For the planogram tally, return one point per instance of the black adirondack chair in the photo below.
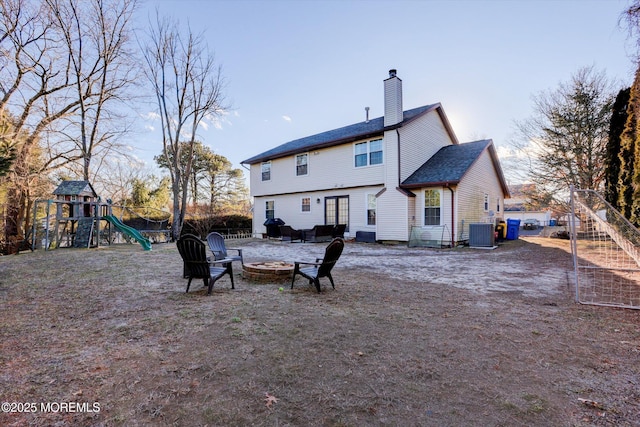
(196, 265)
(314, 271)
(219, 249)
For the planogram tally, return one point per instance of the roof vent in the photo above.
(366, 109)
(392, 72)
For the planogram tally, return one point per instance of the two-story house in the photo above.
(387, 175)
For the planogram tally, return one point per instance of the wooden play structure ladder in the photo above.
(84, 233)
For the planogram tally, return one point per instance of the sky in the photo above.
(297, 68)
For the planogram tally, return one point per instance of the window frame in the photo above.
(381, 151)
(267, 210)
(368, 208)
(302, 205)
(486, 202)
(266, 165)
(306, 164)
(367, 154)
(424, 207)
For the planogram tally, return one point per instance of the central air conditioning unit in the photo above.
(481, 236)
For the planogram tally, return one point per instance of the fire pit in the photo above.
(268, 271)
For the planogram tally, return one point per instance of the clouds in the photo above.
(218, 120)
(285, 118)
(148, 119)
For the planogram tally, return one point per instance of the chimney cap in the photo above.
(392, 72)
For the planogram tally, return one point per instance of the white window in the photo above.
(431, 207)
(368, 153)
(486, 202)
(305, 204)
(266, 171)
(375, 152)
(371, 209)
(302, 164)
(269, 209)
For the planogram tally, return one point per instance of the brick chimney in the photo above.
(392, 99)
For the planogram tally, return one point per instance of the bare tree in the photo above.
(188, 87)
(57, 61)
(566, 138)
(631, 19)
(96, 36)
(32, 72)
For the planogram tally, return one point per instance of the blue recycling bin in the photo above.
(552, 222)
(513, 229)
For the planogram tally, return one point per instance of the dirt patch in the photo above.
(410, 336)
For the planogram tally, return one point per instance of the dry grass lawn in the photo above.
(410, 337)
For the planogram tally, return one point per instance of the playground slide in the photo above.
(130, 231)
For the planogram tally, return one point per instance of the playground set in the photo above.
(82, 220)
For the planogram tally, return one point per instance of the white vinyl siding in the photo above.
(392, 222)
(331, 172)
(288, 207)
(479, 181)
(420, 140)
(332, 169)
(417, 212)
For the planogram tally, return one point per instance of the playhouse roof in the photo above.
(75, 188)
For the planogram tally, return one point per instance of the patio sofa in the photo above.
(322, 233)
(290, 234)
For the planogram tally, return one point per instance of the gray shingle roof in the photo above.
(334, 137)
(448, 165)
(74, 188)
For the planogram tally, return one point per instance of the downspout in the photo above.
(398, 133)
(399, 182)
(453, 224)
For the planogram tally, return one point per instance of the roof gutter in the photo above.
(254, 160)
(431, 184)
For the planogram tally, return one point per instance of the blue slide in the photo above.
(129, 231)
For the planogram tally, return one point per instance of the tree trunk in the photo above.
(176, 222)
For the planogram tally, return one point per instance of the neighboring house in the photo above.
(519, 206)
(386, 176)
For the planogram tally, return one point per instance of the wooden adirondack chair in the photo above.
(314, 271)
(219, 249)
(196, 265)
